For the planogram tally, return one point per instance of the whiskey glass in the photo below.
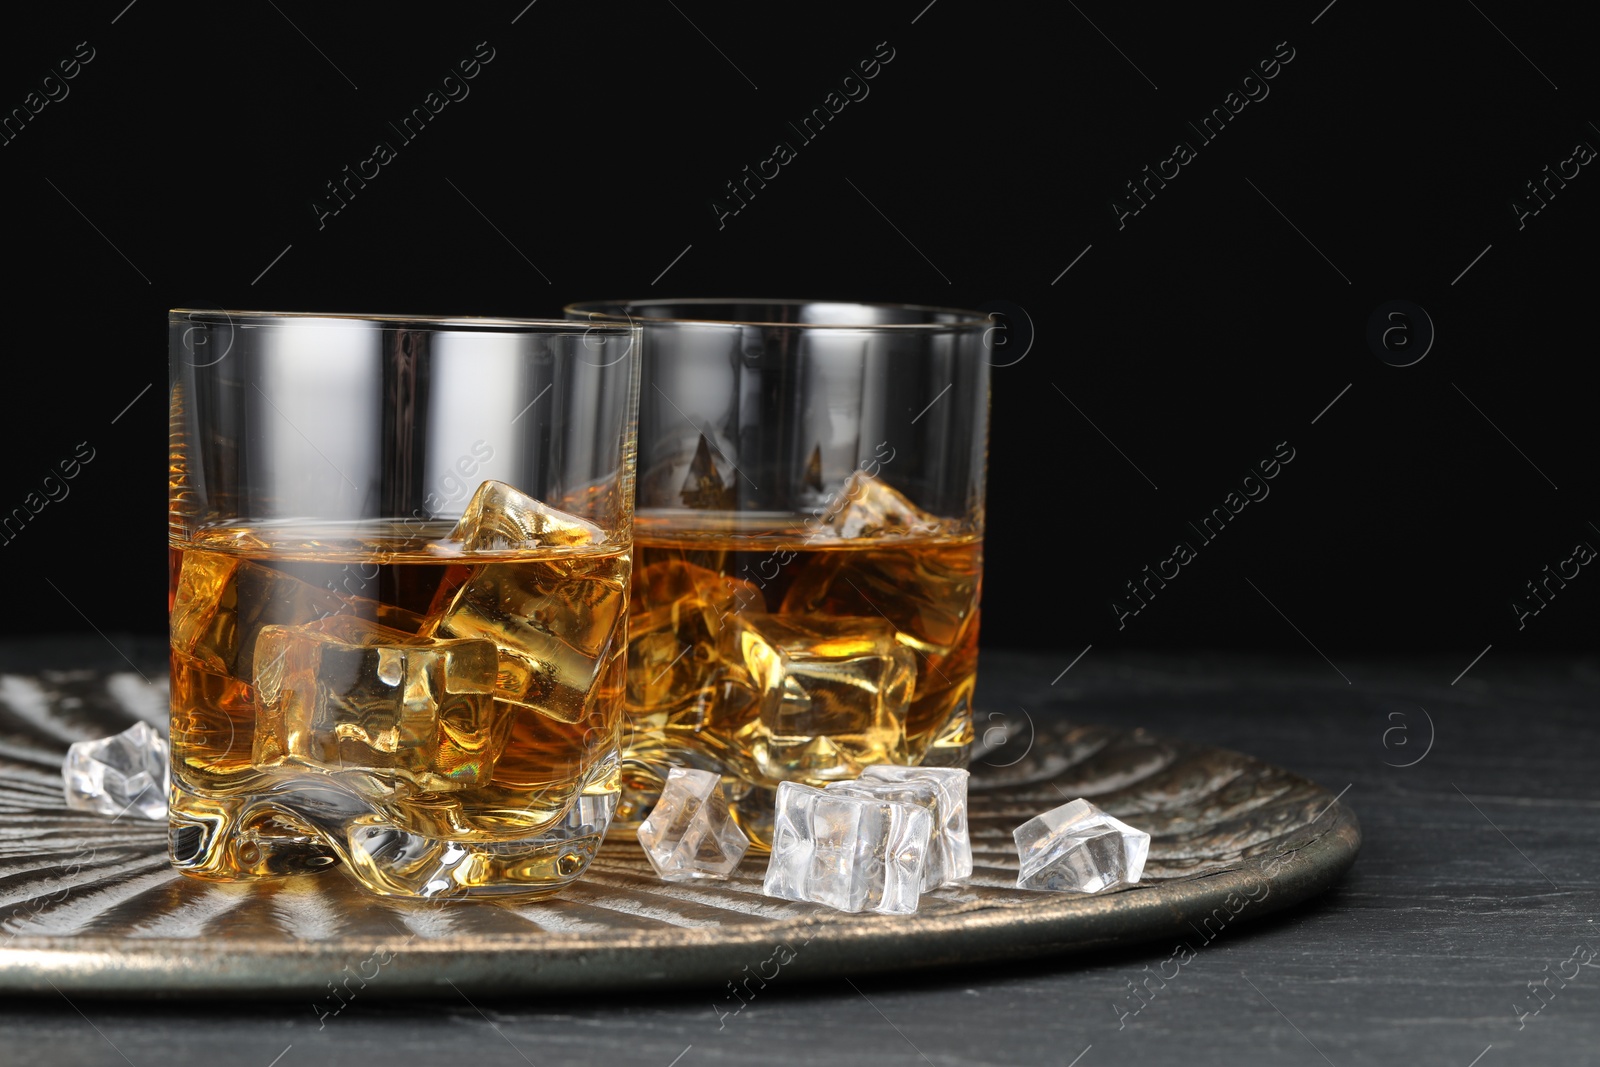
(399, 556)
(809, 542)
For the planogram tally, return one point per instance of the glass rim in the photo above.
(270, 319)
(622, 310)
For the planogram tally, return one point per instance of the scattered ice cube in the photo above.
(853, 853)
(1080, 849)
(348, 694)
(501, 517)
(869, 507)
(943, 791)
(689, 833)
(127, 772)
(832, 693)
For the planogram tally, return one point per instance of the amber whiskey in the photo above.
(769, 653)
(439, 715)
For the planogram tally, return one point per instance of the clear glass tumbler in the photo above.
(399, 553)
(809, 541)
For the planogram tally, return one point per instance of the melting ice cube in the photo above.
(870, 507)
(678, 612)
(553, 621)
(832, 693)
(553, 625)
(223, 602)
(501, 517)
(347, 694)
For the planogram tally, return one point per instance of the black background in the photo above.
(1219, 321)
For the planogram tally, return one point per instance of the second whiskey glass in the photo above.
(809, 542)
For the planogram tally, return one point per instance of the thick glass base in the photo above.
(307, 830)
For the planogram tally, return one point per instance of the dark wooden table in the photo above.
(1457, 939)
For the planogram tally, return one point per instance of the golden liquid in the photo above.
(328, 684)
(704, 607)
